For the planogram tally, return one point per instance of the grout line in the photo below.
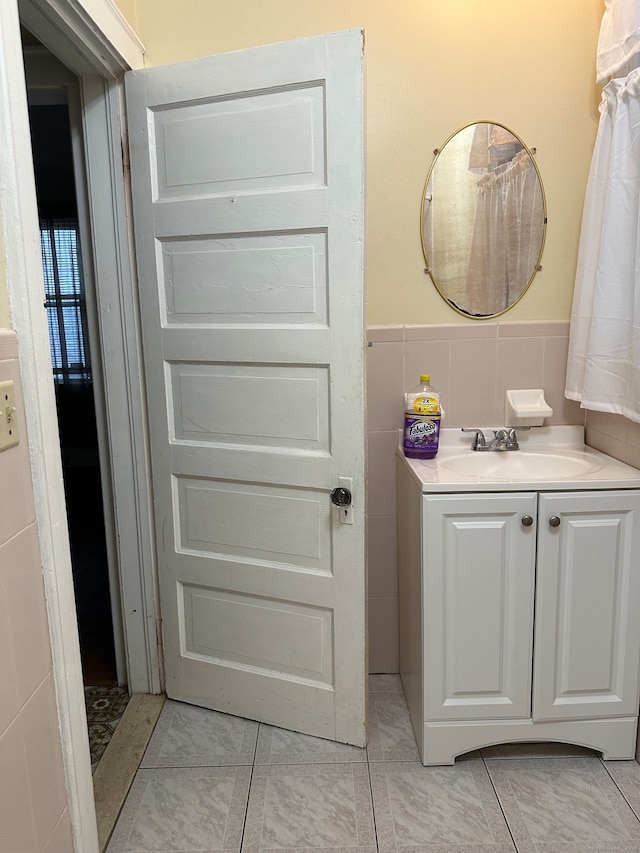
(495, 791)
(622, 793)
(379, 815)
(246, 808)
(373, 808)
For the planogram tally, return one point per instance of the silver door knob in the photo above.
(554, 521)
(527, 521)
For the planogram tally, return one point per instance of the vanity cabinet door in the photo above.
(587, 646)
(479, 553)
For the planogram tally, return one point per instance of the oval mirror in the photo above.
(483, 220)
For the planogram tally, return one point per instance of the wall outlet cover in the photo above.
(9, 435)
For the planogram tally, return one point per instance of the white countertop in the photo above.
(557, 442)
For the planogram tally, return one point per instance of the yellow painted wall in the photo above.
(430, 68)
(128, 9)
(4, 297)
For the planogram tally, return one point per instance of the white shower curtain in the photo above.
(603, 370)
(507, 235)
(619, 40)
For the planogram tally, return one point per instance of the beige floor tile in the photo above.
(437, 809)
(306, 794)
(385, 683)
(188, 736)
(294, 808)
(390, 734)
(626, 775)
(280, 746)
(563, 806)
(183, 810)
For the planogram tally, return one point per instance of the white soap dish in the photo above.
(526, 407)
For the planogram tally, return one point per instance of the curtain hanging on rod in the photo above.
(619, 40)
(603, 369)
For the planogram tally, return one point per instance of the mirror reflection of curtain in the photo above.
(492, 145)
(508, 230)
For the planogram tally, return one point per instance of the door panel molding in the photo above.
(258, 411)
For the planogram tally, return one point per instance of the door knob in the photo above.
(554, 521)
(527, 521)
(341, 497)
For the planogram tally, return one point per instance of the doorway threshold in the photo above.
(121, 759)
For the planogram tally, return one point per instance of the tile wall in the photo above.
(614, 435)
(472, 366)
(33, 802)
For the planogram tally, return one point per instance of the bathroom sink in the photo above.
(552, 458)
(520, 465)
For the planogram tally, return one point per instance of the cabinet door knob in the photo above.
(554, 521)
(527, 521)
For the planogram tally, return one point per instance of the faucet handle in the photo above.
(509, 436)
(479, 440)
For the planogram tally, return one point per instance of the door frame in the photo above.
(49, 81)
(94, 40)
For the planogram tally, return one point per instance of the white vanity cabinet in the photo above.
(520, 617)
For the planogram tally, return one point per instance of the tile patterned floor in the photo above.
(211, 783)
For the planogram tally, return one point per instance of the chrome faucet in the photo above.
(503, 439)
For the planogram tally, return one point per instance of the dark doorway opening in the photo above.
(65, 305)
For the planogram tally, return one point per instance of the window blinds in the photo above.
(65, 301)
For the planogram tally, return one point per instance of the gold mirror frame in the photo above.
(526, 159)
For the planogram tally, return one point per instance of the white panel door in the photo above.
(247, 172)
(479, 557)
(587, 650)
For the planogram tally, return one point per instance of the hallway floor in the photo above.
(105, 707)
(211, 782)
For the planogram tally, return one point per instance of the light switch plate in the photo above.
(8, 415)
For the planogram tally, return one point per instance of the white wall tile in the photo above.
(385, 381)
(61, 840)
(381, 475)
(518, 365)
(9, 701)
(383, 557)
(472, 388)
(384, 654)
(27, 615)
(44, 761)
(33, 797)
(17, 832)
(554, 372)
